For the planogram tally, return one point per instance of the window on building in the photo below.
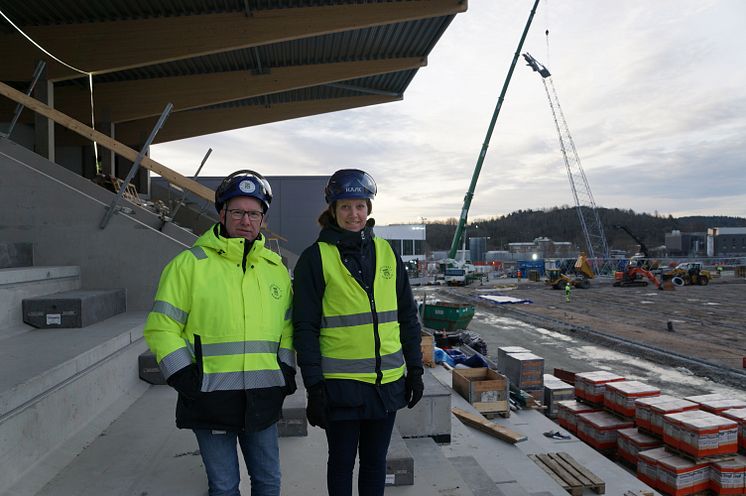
(396, 245)
(408, 248)
(419, 246)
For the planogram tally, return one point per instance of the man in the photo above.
(568, 289)
(221, 331)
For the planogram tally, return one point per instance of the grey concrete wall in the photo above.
(59, 212)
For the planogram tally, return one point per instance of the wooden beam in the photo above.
(102, 47)
(199, 122)
(131, 100)
(484, 425)
(107, 142)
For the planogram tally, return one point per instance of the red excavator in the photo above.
(638, 268)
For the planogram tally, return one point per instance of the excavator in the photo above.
(638, 269)
(557, 278)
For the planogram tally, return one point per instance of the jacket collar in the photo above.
(231, 248)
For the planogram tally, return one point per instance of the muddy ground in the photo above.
(709, 322)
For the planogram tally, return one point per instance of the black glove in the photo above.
(414, 386)
(186, 380)
(316, 409)
(288, 373)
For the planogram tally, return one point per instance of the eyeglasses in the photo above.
(237, 214)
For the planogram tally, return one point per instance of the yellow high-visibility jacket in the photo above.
(226, 308)
(359, 337)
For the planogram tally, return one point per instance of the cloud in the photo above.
(652, 93)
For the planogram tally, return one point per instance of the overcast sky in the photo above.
(654, 93)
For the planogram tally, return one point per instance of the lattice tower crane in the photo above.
(593, 230)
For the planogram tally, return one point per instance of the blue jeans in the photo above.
(347, 438)
(261, 453)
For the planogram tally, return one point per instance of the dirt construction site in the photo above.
(700, 328)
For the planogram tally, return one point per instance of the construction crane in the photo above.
(593, 230)
(477, 168)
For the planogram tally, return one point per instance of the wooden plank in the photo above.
(551, 473)
(596, 483)
(587, 473)
(561, 472)
(574, 472)
(107, 142)
(484, 425)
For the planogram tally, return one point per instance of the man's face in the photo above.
(242, 217)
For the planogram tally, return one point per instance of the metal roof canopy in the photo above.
(224, 64)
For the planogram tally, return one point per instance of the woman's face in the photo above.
(351, 214)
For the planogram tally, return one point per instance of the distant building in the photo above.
(544, 247)
(686, 244)
(726, 241)
(477, 249)
(408, 240)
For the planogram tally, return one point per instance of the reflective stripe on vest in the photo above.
(348, 327)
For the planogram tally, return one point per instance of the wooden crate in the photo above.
(426, 346)
(484, 388)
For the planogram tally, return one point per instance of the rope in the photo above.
(60, 61)
(546, 31)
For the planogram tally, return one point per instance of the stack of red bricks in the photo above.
(700, 445)
(680, 446)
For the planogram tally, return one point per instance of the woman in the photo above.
(356, 335)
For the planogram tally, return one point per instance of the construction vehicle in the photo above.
(557, 278)
(585, 205)
(450, 261)
(689, 273)
(635, 275)
(639, 267)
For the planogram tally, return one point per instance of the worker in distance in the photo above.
(357, 335)
(222, 333)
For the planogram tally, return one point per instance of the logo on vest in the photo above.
(247, 186)
(386, 272)
(275, 291)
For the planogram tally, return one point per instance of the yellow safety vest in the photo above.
(240, 321)
(359, 338)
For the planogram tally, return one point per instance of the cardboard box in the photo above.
(426, 346)
(484, 388)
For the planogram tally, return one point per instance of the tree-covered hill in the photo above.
(562, 224)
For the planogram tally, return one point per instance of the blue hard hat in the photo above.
(350, 183)
(244, 183)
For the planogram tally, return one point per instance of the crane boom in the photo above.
(585, 205)
(477, 169)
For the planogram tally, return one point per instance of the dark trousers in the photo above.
(369, 438)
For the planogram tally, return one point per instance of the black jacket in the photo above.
(349, 399)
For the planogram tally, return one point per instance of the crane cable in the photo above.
(57, 59)
(546, 31)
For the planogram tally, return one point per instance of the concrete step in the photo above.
(19, 283)
(431, 417)
(433, 469)
(293, 422)
(141, 452)
(480, 483)
(16, 255)
(56, 383)
(73, 309)
(399, 462)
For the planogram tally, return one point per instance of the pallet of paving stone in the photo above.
(568, 473)
(701, 459)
